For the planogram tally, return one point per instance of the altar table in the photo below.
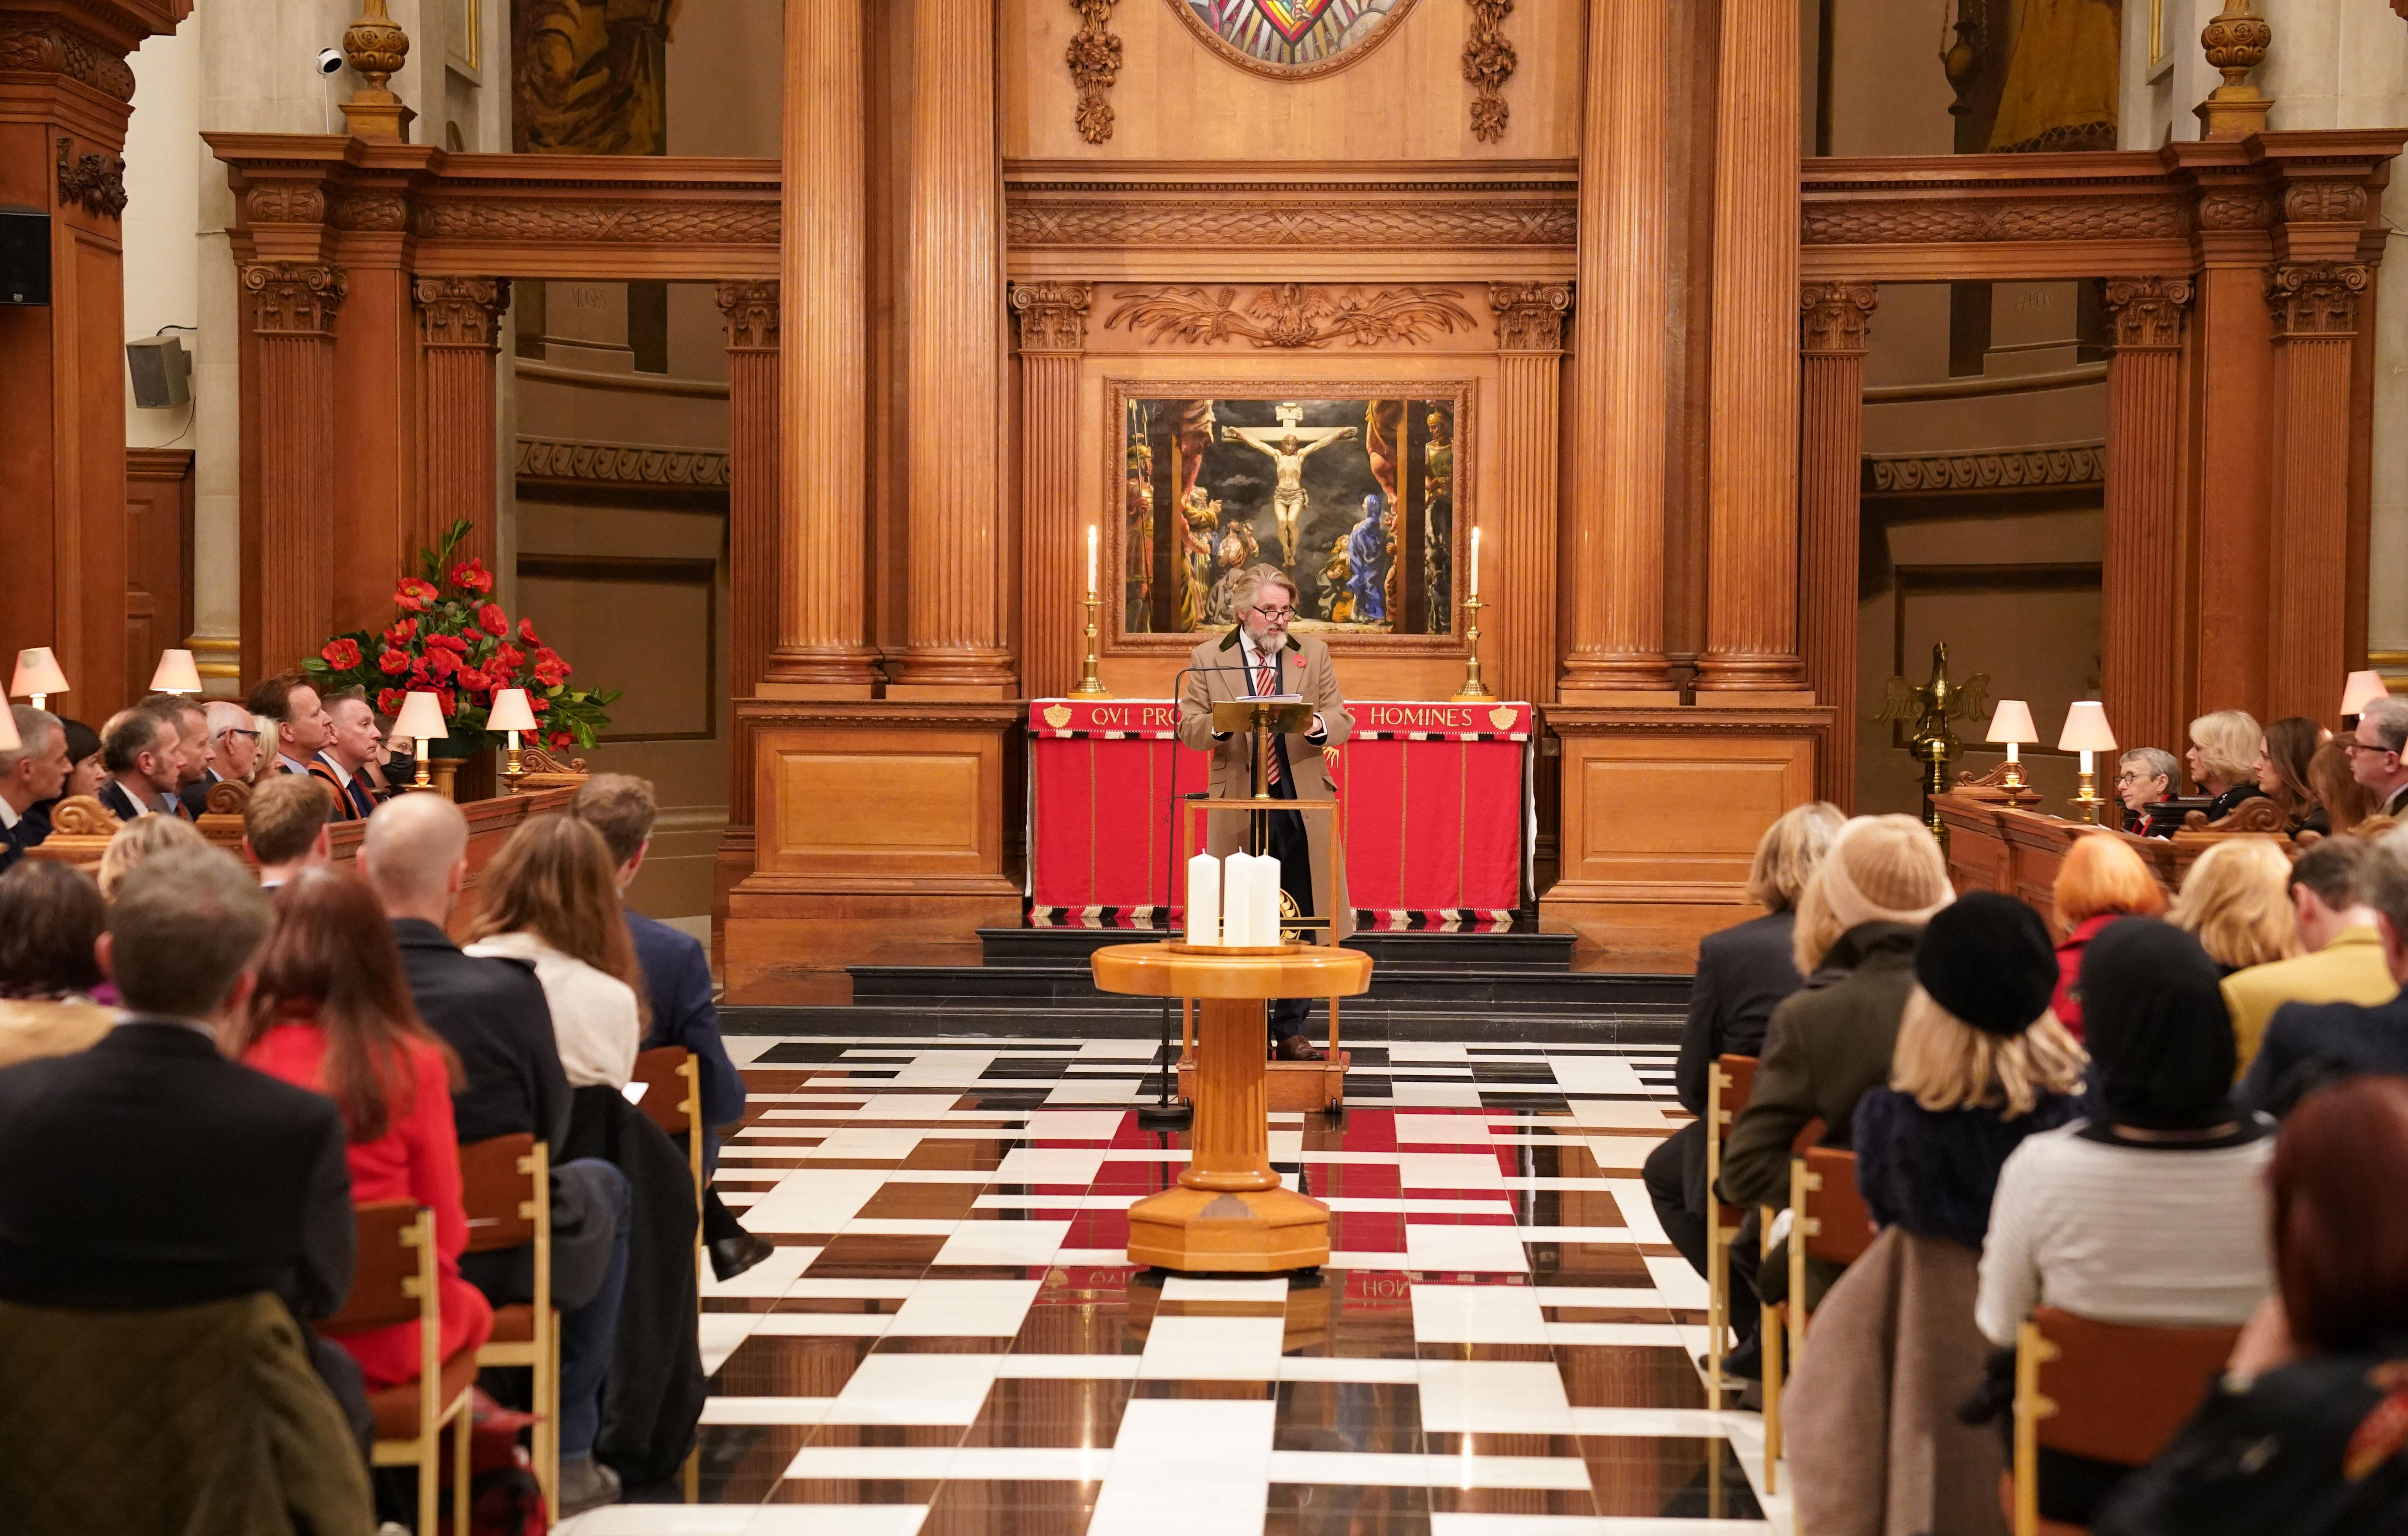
(1435, 800)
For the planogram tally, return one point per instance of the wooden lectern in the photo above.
(1230, 1213)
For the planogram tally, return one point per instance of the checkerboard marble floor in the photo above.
(950, 1342)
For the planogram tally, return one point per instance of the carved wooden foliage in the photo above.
(1488, 62)
(1095, 60)
(1052, 315)
(2147, 312)
(96, 182)
(2315, 298)
(1289, 314)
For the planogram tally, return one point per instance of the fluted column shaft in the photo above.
(1613, 543)
(1832, 321)
(1053, 317)
(1519, 577)
(2315, 307)
(457, 321)
(953, 360)
(820, 546)
(293, 313)
(1752, 466)
(2140, 584)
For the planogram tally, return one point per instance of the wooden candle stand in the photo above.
(1230, 1213)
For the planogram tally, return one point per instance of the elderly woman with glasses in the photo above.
(2145, 781)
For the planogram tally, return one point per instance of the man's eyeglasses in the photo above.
(2354, 746)
(1276, 612)
(2134, 778)
(236, 730)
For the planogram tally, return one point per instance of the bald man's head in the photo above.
(414, 845)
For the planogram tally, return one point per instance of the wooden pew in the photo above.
(2017, 852)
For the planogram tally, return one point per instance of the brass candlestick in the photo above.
(513, 770)
(1473, 691)
(1090, 685)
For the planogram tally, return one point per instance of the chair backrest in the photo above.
(1740, 1072)
(393, 1267)
(2121, 1391)
(668, 1073)
(1728, 1084)
(498, 1189)
(1840, 1227)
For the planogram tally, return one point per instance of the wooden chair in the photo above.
(672, 1081)
(1830, 1223)
(394, 1281)
(506, 1184)
(1729, 1081)
(2112, 1391)
(1775, 1325)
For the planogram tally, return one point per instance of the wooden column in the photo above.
(1614, 536)
(2140, 588)
(823, 579)
(1752, 541)
(292, 433)
(457, 318)
(1521, 578)
(754, 577)
(1053, 555)
(954, 364)
(2315, 306)
(1833, 318)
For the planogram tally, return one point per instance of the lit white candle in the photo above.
(1475, 561)
(1203, 899)
(1091, 559)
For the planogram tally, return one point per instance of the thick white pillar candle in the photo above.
(1203, 899)
(1262, 902)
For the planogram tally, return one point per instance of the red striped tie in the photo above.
(1266, 684)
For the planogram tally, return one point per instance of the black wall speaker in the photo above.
(162, 371)
(24, 256)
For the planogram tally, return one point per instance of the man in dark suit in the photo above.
(677, 974)
(192, 748)
(2307, 1044)
(143, 753)
(2378, 754)
(492, 1013)
(233, 752)
(342, 763)
(151, 1173)
(31, 772)
(288, 703)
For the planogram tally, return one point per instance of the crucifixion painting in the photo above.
(1287, 445)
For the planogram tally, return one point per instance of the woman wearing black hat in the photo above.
(1981, 1063)
(2153, 1210)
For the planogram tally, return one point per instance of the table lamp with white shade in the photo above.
(510, 713)
(421, 720)
(37, 677)
(2363, 689)
(2013, 725)
(2086, 731)
(176, 674)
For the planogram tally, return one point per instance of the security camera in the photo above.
(330, 61)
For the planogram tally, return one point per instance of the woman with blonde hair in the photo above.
(2236, 901)
(2102, 880)
(551, 898)
(2223, 759)
(136, 840)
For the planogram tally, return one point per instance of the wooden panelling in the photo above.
(158, 556)
(910, 810)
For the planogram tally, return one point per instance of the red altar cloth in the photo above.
(1435, 799)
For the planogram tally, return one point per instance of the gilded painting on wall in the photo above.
(1292, 39)
(1355, 499)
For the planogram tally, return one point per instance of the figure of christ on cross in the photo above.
(1288, 447)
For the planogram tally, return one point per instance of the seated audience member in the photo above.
(2303, 1433)
(2144, 779)
(2345, 800)
(2223, 759)
(2284, 754)
(151, 1173)
(141, 840)
(2306, 1043)
(1981, 1065)
(233, 752)
(284, 827)
(144, 755)
(2236, 901)
(2152, 1209)
(2338, 929)
(332, 1013)
(51, 918)
(293, 712)
(677, 973)
(194, 747)
(548, 900)
(84, 776)
(492, 1013)
(30, 775)
(2101, 881)
(2374, 757)
(342, 763)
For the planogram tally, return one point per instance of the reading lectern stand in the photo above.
(1230, 1213)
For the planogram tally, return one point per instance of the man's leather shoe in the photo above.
(1297, 1048)
(586, 1483)
(732, 1257)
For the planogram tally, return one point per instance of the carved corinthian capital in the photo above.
(1530, 315)
(294, 299)
(2147, 312)
(2314, 299)
(750, 310)
(1052, 315)
(1832, 317)
(460, 312)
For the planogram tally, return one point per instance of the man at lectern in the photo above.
(1258, 659)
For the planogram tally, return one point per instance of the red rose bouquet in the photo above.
(451, 641)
